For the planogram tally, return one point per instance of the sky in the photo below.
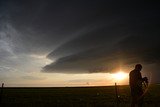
(77, 42)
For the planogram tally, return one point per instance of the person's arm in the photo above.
(140, 77)
(144, 79)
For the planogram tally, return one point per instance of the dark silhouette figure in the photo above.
(135, 82)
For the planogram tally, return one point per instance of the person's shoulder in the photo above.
(131, 72)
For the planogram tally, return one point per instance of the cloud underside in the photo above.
(106, 55)
(114, 40)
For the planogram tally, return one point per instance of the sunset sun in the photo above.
(120, 75)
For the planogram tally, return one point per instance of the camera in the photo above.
(145, 79)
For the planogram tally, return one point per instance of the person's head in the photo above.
(138, 67)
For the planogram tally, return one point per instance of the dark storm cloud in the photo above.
(92, 39)
(44, 25)
(127, 52)
(82, 36)
(129, 37)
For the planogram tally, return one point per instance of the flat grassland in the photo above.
(74, 96)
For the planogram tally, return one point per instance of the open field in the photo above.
(74, 97)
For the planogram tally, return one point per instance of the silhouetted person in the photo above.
(135, 82)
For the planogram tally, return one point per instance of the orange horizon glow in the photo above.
(120, 76)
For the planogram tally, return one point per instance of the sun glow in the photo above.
(119, 76)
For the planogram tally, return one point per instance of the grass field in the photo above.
(75, 97)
